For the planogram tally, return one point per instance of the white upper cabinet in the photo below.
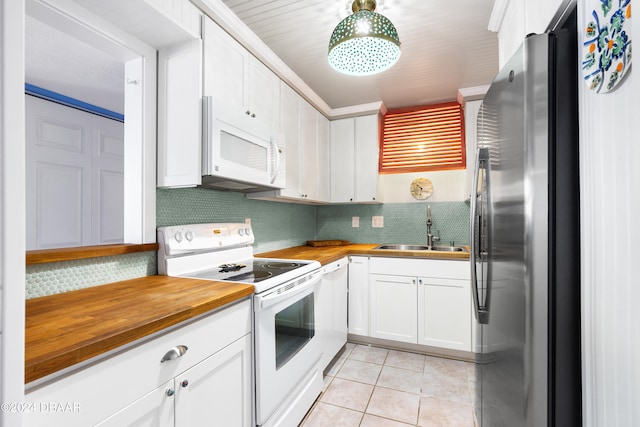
(307, 151)
(366, 160)
(313, 154)
(323, 140)
(289, 118)
(471, 110)
(237, 78)
(264, 94)
(225, 62)
(354, 159)
(342, 161)
(180, 115)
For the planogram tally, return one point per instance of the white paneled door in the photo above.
(74, 177)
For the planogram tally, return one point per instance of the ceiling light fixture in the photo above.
(364, 43)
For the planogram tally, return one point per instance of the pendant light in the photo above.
(364, 43)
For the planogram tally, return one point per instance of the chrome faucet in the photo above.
(430, 237)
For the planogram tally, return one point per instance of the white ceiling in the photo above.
(61, 63)
(445, 46)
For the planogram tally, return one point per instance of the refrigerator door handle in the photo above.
(481, 311)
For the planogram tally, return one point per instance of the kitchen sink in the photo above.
(397, 247)
(394, 247)
(449, 248)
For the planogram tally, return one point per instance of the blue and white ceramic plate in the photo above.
(606, 53)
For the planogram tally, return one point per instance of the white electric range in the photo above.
(288, 376)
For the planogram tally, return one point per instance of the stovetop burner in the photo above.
(281, 265)
(250, 276)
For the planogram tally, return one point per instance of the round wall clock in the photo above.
(606, 51)
(421, 188)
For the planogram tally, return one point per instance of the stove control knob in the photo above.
(189, 235)
(247, 231)
(241, 232)
(178, 236)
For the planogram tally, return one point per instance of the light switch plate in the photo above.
(377, 221)
(355, 221)
(247, 221)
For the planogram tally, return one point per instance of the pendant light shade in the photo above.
(364, 43)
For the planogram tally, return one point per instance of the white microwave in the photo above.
(240, 153)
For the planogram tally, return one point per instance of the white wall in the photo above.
(514, 19)
(448, 186)
(610, 203)
(12, 214)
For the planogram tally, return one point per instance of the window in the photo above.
(426, 138)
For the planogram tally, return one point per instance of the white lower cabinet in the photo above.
(394, 308)
(444, 307)
(210, 383)
(358, 301)
(331, 313)
(218, 388)
(419, 301)
(156, 409)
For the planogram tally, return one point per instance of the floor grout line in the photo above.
(347, 355)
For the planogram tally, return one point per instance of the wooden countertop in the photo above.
(72, 327)
(69, 328)
(328, 254)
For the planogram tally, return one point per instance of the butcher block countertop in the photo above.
(72, 327)
(328, 254)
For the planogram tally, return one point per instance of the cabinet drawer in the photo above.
(98, 390)
(451, 269)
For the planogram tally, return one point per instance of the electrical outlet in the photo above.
(355, 221)
(377, 221)
(247, 221)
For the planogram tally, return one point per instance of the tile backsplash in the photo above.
(402, 223)
(276, 225)
(56, 277)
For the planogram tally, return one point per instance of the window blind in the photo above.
(426, 138)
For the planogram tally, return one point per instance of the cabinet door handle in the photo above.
(170, 392)
(420, 282)
(174, 353)
(184, 383)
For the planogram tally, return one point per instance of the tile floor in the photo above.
(370, 386)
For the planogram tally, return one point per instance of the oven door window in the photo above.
(295, 327)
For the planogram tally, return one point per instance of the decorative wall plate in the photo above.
(606, 52)
(421, 188)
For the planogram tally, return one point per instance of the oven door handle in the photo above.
(284, 291)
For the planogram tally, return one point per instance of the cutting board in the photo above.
(318, 243)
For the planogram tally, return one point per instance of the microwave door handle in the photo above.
(276, 169)
(481, 312)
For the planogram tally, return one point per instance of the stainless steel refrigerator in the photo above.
(525, 251)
